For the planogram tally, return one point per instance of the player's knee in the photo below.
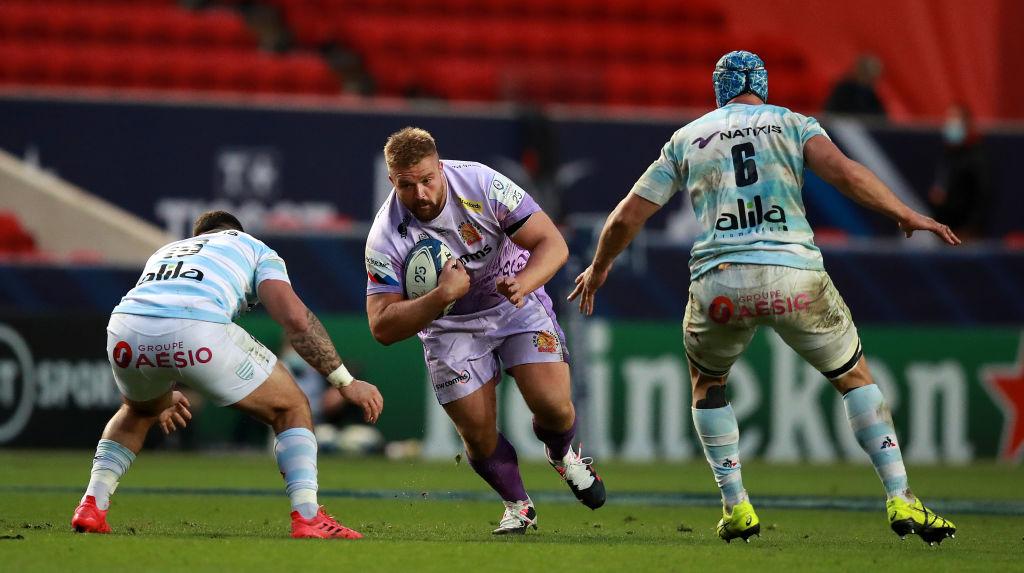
(557, 415)
(713, 398)
(479, 442)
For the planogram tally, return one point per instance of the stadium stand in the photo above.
(398, 47)
(154, 44)
(613, 52)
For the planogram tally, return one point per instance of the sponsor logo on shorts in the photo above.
(469, 233)
(170, 355)
(723, 310)
(545, 341)
(462, 378)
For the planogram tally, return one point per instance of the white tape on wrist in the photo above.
(340, 377)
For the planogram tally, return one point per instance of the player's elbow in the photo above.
(628, 215)
(623, 220)
(381, 334)
(560, 252)
(383, 339)
(294, 321)
(845, 174)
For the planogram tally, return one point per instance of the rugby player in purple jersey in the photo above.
(505, 249)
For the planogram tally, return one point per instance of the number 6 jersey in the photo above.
(743, 166)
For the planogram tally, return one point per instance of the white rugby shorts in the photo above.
(727, 304)
(149, 354)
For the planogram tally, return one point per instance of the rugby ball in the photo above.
(423, 266)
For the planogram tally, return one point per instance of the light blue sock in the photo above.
(720, 434)
(111, 461)
(296, 458)
(871, 421)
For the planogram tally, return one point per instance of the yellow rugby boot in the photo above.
(914, 517)
(742, 522)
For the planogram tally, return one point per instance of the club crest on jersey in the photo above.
(545, 341)
(469, 233)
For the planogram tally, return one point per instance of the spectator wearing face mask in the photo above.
(961, 193)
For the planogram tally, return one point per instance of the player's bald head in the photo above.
(408, 147)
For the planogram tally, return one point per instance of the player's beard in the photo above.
(427, 210)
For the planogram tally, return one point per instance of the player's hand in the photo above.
(366, 396)
(587, 285)
(454, 280)
(510, 288)
(915, 221)
(176, 415)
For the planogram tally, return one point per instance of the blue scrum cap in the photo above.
(737, 73)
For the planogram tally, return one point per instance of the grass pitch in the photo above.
(228, 512)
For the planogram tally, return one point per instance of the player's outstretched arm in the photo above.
(303, 329)
(548, 252)
(394, 318)
(860, 184)
(619, 230)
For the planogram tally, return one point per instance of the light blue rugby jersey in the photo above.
(212, 277)
(743, 166)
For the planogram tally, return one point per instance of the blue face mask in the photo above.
(954, 132)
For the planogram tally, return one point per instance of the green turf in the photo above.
(156, 531)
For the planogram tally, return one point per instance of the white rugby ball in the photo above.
(423, 266)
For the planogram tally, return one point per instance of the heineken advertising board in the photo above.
(956, 394)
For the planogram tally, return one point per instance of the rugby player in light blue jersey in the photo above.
(176, 326)
(755, 263)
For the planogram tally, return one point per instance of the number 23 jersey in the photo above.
(743, 166)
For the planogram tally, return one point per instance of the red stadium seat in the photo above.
(14, 239)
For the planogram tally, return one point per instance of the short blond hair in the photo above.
(408, 146)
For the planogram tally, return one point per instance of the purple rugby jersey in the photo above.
(481, 205)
